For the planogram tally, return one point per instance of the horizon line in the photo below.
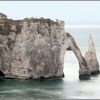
(82, 26)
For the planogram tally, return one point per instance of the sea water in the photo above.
(70, 87)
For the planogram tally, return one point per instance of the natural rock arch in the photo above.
(84, 72)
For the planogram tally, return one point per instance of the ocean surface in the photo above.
(69, 87)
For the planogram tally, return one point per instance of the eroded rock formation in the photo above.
(84, 72)
(91, 57)
(35, 48)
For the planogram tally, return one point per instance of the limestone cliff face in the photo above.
(91, 57)
(31, 48)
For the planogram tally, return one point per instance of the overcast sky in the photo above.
(72, 12)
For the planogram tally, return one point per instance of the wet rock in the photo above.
(91, 57)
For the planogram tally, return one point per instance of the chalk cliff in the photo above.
(35, 48)
(31, 48)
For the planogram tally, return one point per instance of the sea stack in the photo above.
(91, 57)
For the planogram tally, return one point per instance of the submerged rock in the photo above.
(91, 57)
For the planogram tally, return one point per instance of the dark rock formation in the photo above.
(2, 75)
(91, 57)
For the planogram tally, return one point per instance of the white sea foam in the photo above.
(12, 91)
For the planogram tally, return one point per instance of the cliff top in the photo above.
(4, 19)
(3, 16)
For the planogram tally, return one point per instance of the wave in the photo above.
(12, 91)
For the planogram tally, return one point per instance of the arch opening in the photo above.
(71, 66)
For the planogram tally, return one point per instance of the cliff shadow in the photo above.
(2, 75)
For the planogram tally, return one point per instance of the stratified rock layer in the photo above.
(91, 57)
